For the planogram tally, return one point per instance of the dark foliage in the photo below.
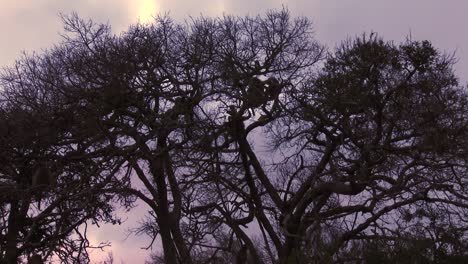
(244, 149)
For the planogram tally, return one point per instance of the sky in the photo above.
(33, 25)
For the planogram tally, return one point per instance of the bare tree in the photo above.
(384, 129)
(175, 115)
(52, 184)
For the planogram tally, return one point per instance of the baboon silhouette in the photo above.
(260, 92)
(42, 180)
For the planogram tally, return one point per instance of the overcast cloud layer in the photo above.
(32, 25)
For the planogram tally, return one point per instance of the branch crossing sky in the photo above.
(32, 25)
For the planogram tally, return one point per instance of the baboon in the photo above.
(256, 96)
(236, 127)
(35, 259)
(273, 88)
(42, 180)
(184, 105)
(260, 92)
(257, 67)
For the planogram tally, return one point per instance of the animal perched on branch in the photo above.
(184, 105)
(256, 96)
(42, 180)
(260, 92)
(257, 66)
(273, 88)
(236, 124)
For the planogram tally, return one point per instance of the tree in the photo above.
(172, 114)
(391, 123)
(38, 135)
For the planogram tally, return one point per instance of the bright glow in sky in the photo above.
(145, 9)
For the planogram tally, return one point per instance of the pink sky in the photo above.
(34, 25)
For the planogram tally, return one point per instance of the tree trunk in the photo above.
(11, 254)
(18, 212)
(170, 254)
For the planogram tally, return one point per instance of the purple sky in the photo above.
(32, 25)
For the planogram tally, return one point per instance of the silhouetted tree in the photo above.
(242, 147)
(37, 136)
(387, 125)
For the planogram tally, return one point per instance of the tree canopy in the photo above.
(249, 141)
